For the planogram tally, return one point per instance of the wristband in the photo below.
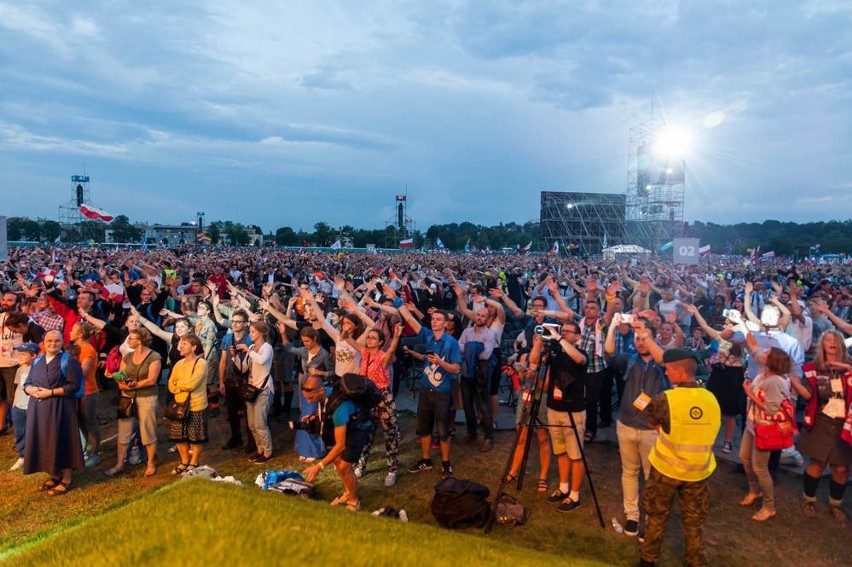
(398, 302)
(320, 465)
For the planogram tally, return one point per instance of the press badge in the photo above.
(835, 408)
(557, 393)
(642, 401)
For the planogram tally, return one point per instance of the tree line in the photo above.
(783, 238)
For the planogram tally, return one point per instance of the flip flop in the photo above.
(49, 484)
(60, 489)
(340, 500)
(542, 485)
(510, 478)
(151, 471)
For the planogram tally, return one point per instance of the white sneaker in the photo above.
(359, 472)
(390, 480)
(19, 464)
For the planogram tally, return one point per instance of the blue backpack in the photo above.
(63, 368)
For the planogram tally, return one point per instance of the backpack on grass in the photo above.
(459, 503)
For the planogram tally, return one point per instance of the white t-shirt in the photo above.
(22, 399)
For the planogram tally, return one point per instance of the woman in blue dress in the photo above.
(316, 361)
(52, 441)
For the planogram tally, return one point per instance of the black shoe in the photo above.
(261, 458)
(447, 469)
(568, 505)
(557, 496)
(233, 443)
(631, 528)
(420, 466)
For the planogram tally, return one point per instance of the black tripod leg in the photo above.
(586, 468)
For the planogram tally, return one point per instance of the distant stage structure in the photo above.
(656, 180)
(582, 223)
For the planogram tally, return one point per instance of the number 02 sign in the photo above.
(686, 251)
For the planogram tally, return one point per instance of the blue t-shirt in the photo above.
(435, 377)
(348, 412)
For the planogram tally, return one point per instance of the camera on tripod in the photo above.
(541, 331)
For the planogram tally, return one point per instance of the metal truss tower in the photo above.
(582, 223)
(655, 188)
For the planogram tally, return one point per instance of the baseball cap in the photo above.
(31, 348)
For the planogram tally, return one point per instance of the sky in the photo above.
(289, 113)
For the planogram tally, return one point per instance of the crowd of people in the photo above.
(188, 330)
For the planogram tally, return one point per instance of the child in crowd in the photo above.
(26, 354)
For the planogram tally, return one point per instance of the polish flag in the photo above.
(94, 213)
(407, 243)
(704, 250)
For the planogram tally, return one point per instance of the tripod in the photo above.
(529, 420)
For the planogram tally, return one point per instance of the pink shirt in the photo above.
(371, 367)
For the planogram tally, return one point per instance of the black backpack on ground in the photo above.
(460, 503)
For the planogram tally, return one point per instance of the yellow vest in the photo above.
(686, 452)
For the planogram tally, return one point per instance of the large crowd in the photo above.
(211, 333)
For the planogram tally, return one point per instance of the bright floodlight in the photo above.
(672, 142)
(569, 206)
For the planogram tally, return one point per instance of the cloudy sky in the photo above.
(288, 113)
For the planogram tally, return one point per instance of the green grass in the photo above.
(205, 523)
(33, 523)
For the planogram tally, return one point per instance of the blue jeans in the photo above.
(19, 421)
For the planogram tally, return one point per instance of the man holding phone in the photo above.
(443, 365)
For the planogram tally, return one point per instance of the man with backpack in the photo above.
(346, 427)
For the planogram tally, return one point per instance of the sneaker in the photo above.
(261, 458)
(727, 448)
(93, 461)
(420, 466)
(839, 515)
(631, 528)
(390, 480)
(359, 472)
(568, 505)
(19, 464)
(446, 469)
(255, 457)
(557, 496)
(487, 445)
(809, 509)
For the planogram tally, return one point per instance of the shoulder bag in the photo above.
(179, 411)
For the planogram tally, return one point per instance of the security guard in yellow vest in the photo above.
(688, 419)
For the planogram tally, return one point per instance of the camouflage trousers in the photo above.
(657, 502)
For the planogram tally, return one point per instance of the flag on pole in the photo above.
(768, 255)
(704, 251)
(554, 250)
(438, 242)
(525, 248)
(144, 243)
(605, 240)
(467, 246)
(336, 245)
(666, 246)
(94, 213)
(407, 243)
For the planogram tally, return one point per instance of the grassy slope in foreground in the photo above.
(204, 523)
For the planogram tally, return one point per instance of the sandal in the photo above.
(542, 485)
(114, 471)
(181, 468)
(342, 499)
(151, 470)
(763, 514)
(354, 506)
(191, 467)
(510, 478)
(60, 489)
(751, 498)
(49, 484)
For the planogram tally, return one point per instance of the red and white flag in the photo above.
(407, 243)
(704, 251)
(95, 213)
(768, 255)
(526, 248)
(555, 248)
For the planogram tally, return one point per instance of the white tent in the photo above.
(624, 250)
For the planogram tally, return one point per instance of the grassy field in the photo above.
(131, 506)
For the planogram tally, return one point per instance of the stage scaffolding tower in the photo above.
(582, 223)
(655, 189)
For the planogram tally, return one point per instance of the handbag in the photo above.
(127, 404)
(778, 433)
(250, 393)
(177, 411)
(126, 407)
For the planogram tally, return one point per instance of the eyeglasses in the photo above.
(238, 320)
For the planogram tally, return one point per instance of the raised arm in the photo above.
(497, 293)
(155, 329)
